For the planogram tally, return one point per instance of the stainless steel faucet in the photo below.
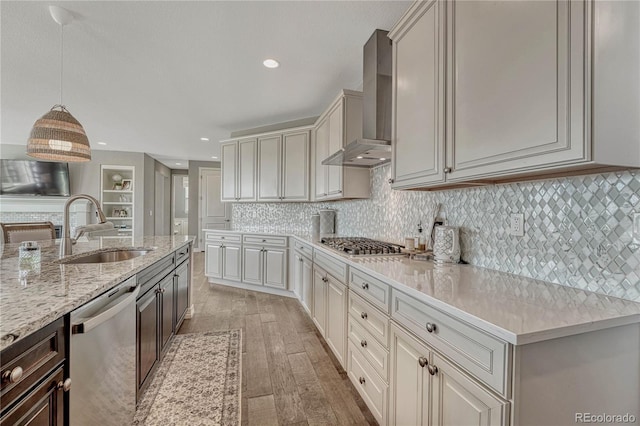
(66, 245)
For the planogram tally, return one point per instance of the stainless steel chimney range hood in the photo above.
(374, 148)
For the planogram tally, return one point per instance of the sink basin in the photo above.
(107, 256)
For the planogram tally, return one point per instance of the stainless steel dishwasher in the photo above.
(103, 358)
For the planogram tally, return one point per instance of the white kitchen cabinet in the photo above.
(319, 311)
(213, 260)
(223, 261)
(239, 165)
(336, 331)
(423, 384)
(529, 91)
(307, 284)
(340, 124)
(418, 92)
(283, 166)
(297, 275)
(265, 266)
(232, 261)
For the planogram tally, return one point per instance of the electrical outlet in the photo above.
(517, 225)
(636, 228)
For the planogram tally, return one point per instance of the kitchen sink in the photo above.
(107, 256)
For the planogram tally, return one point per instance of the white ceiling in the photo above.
(156, 76)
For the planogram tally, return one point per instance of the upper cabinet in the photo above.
(519, 90)
(340, 124)
(267, 167)
(239, 161)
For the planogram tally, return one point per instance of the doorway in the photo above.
(180, 204)
(162, 207)
(213, 213)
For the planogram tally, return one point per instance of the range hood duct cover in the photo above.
(376, 114)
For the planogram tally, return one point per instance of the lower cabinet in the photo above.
(336, 331)
(223, 261)
(181, 292)
(166, 302)
(369, 385)
(265, 266)
(319, 311)
(307, 284)
(423, 384)
(147, 335)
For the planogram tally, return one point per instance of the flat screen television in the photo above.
(24, 177)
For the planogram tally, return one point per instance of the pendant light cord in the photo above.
(61, 59)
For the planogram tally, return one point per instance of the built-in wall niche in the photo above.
(180, 204)
(117, 197)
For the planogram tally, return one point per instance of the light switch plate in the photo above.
(636, 228)
(517, 225)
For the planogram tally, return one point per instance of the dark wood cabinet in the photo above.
(146, 335)
(181, 292)
(166, 310)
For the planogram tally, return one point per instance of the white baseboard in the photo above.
(262, 289)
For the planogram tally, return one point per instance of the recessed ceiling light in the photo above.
(178, 164)
(204, 139)
(214, 157)
(359, 157)
(382, 159)
(102, 143)
(271, 63)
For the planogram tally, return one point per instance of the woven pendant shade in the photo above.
(58, 136)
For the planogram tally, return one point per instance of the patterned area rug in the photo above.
(197, 383)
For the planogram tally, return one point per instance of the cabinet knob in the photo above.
(431, 327)
(422, 361)
(365, 286)
(362, 380)
(65, 386)
(12, 376)
(227, 220)
(391, 180)
(447, 170)
(433, 370)
(363, 315)
(264, 241)
(363, 343)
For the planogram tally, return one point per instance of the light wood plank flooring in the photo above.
(289, 375)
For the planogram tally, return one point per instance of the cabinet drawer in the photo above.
(372, 320)
(371, 289)
(334, 266)
(373, 390)
(303, 248)
(215, 236)
(370, 348)
(182, 253)
(266, 240)
(154, 273)
(36, 355)
(480, 354)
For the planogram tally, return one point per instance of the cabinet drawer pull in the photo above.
(182, 254)
(391, 180)
(447, 170)
(65, 386)
(362, 380)
(363, 315)
(363, 343)
(433, 370)
(365, 286)
(12, 376)
(422, 361)
(431, 327)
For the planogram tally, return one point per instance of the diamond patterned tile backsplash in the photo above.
(578, 231)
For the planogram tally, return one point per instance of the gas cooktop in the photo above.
(355, 246)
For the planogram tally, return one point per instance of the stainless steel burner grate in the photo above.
(355, 246)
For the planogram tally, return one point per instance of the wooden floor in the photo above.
(289, 375)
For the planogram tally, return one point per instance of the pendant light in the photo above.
(57, 135)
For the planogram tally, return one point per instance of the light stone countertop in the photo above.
(516, 309)
(37, 298)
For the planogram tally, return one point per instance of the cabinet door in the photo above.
(409, 384)
(322, 152)
(320, 300)
(458, 400)
(166, 311)
(275, 268)
(517, 82)
(44, 405)
(181, 293)
(252, 265)
(295, 166)
(247, 165)
(307, 284)
(229, 159)
(269, 168)
(337, 318)
(297, 275)
(232, 260)
(213, 261)
(418, 91)
(147, 335)
(336, 142)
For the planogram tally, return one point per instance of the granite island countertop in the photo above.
(514, 308)
(32, 299)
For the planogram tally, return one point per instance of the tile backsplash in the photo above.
(578, 231)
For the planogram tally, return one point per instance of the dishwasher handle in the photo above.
(87, 324)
